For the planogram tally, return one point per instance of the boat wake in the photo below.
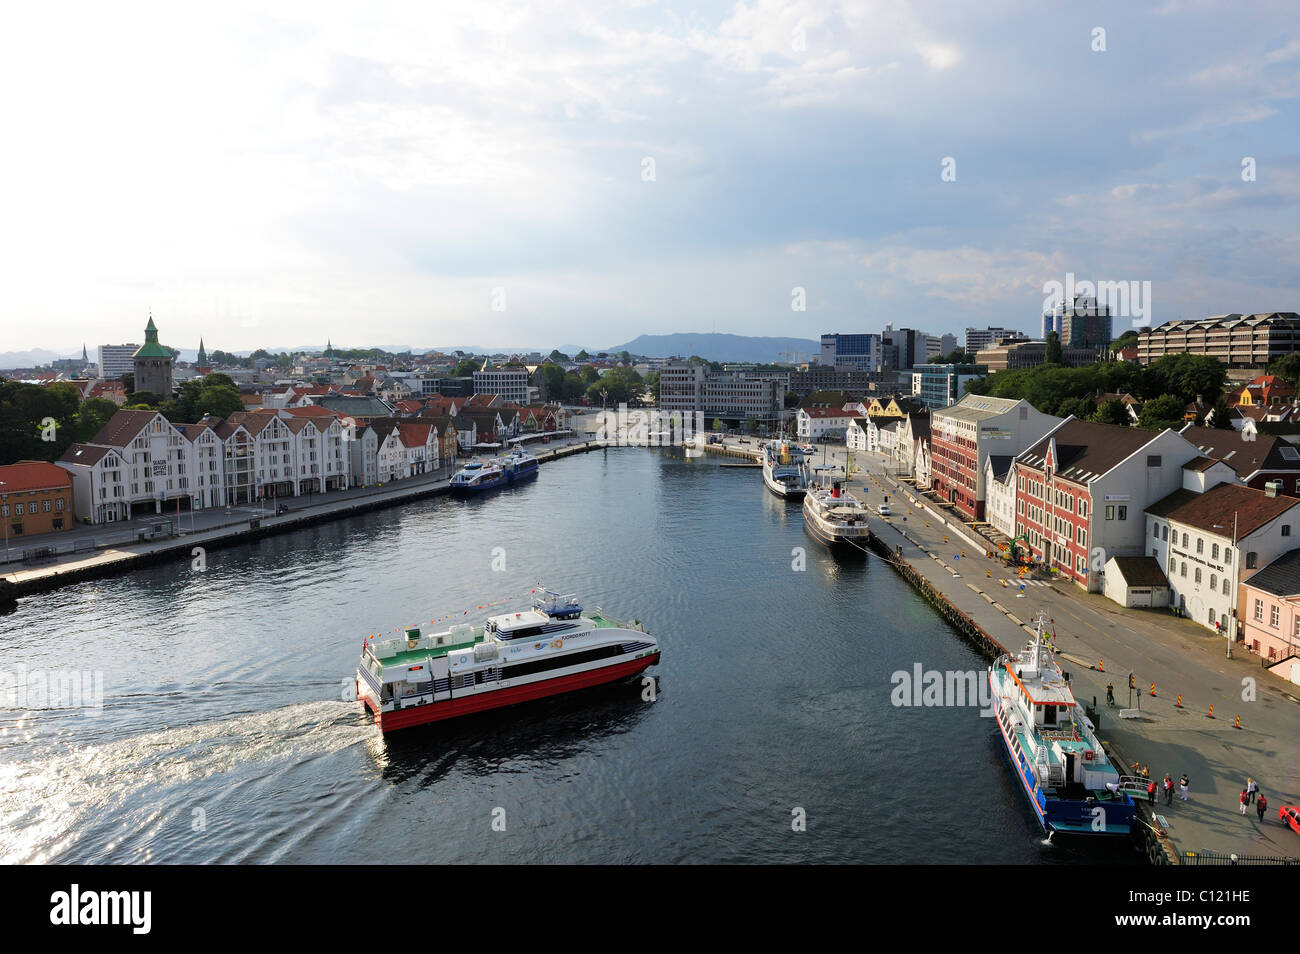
(151, 797)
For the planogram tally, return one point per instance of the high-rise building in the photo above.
(902, 348)
(153, 364)
(1239, 341)
(509, 381)
(860, 351)
(1080, 323)
(116, 360)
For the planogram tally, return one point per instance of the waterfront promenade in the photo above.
(116, 547)
(1101, 643)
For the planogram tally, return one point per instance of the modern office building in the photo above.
(1239, 341)
(939, 385)
(902, 348)
(978, 339)
(117, 360)
(734, 396)
(859, 351)
(1081, 322)
(509, 381)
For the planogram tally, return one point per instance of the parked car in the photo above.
(1290, 815)
(884, 510)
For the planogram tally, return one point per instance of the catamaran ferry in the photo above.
(784, 469)
(550, 649)
(834, 516)
(1064, 771)
(519, 466)
(477, 476)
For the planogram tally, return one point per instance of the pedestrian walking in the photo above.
(1151, 794)
(1243, 801)
(1182, 785)
(1251, 788)
(1110, 687)
(1169, 789)
(1260, 804)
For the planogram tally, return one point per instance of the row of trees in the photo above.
(39, 423)
(1165, 387)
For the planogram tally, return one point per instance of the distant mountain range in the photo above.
(722, 347)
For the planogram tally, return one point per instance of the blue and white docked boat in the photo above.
(519, 465)
(1053, 748)
(477, 476)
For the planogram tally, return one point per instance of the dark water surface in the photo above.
(224, 736)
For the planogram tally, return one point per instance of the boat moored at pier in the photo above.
(1053, 748)
(834, 516)
(552, 648)
(785, 471)
(519, 466)
(477, 476)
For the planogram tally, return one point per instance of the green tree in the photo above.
(652, 385)
(466, 367)
(1221, 416)
(1287, 367)
(1053, 348)
(1113, 412)
(219, 402)
(625, 357)
(552, 381)
(791, 399)
(717, 424)
(582, 356)
(559, 357)
(589, 374)
(92, 417)
(1162, 412)
(145, 400)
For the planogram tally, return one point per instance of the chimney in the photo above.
(1271, 488)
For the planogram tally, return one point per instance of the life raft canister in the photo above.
(412, 643)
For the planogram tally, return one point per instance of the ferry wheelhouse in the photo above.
(552, 648)
(519, 465)
(834, 516)
(1053, 748)
(784, 471)
(477, 476)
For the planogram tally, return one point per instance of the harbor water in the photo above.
(226, 731)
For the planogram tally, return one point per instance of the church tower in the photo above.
(203, 365)
(153, 365)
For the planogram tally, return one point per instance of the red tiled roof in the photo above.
(33, 475)
(1213, 510)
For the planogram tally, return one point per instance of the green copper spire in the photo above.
(151, 348)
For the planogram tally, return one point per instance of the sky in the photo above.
(514, 174)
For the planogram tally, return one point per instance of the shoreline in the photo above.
(117, 560)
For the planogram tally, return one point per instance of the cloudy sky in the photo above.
(530, 174)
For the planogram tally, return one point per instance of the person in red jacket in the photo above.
(1151, 792)
(1243, 801)
(1260, 804)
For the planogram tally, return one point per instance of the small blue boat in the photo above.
(519, 466)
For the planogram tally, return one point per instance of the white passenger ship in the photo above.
(784, 470)
(552, 648)
(834, 516)
(1053, 748)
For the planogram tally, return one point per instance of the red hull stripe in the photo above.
(481, 702)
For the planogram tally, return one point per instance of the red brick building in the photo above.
(35, 497)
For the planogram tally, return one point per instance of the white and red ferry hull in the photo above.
(497, 698)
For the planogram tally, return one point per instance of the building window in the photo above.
(1225, 586)
(1259, 611)
(1123, 513)
(1198, 576)
(1272, 616)
(1214, 582)
(19, 509)
(1184, 541)
(1155, 532)
(45, 506)
(1164, 534)
(1153, 460)
(1286, 529)
(1200, 545)
(1251, 559)
(1183, 569)
(1110, 512)
(1214, 551)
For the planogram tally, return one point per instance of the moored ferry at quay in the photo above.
(834, 516)
(477, 476)
(552, 648)
(1053, 748)
(784, 471)
(519, 465)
